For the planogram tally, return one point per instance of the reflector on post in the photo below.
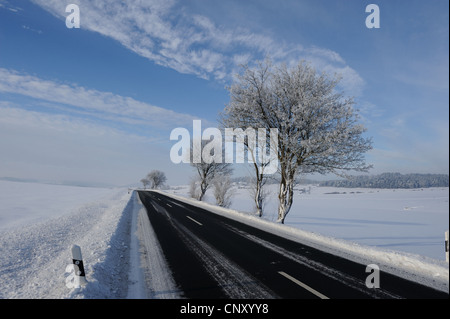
(78, 262)
(446, 246)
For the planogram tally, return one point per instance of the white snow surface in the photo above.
(36, 246)
(39, 224)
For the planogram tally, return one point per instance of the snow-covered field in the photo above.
(407, 220)
(40, 223)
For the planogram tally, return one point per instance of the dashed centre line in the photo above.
(195, 221)
(305, 286)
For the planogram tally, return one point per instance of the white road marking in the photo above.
(194, 220)
(169, 205)
(298, 282)
(179, 205)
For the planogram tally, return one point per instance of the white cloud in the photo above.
(327, 54)
(104, 105)
(164, 33)
(31, 29)
(13, 8)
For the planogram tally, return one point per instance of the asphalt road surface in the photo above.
(211, 256)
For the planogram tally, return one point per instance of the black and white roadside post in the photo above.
(446, 246)
(78, 265)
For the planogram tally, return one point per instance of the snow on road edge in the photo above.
(423, 270)
(34, 257)
(150, 274)
(121, 255)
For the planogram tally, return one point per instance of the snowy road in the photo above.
(211, 256)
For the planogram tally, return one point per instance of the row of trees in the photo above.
(216, 176)
(155, 179)
(316, 124)
(208, 175)
(211, 175)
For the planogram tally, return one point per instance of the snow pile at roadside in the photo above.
(427, 271)
(150, 276)
(35, 255)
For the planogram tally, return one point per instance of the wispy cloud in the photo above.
(163, 32)
(31, 29)
(8, 6)
(92, 103)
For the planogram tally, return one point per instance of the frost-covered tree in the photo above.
(194, 189)
(156, 179)
(259, 192)
(255, 95)
(207, 172)
(317, 125)
(223, 191)
(258, 180)
(145, 182)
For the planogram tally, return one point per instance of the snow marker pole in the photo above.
(446, 246)
(78, 262)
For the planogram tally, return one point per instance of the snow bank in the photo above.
(40, 223)
(35, 255)
(150, 274)
(424, 270)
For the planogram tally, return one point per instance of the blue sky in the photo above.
(96, 105)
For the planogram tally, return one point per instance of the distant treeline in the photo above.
(385, 180)
(392, 180)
